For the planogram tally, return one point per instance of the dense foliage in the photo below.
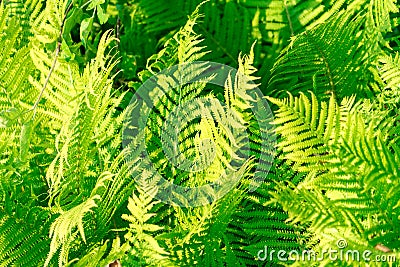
(69, 193)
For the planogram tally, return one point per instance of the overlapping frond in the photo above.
(344, 182)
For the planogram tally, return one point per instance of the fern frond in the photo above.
(308, 130)
(198, 230)
(88, 158)
(146, 250)
(26, 12)
(24, 242)
(390, 71)
(338, 66)
(61, 229)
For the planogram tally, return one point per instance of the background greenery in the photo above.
(68, 69)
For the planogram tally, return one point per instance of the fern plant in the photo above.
(81, 186)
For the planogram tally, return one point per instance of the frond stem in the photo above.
(56, 53)
(289, 19)
(217, 43)
(328, 69)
